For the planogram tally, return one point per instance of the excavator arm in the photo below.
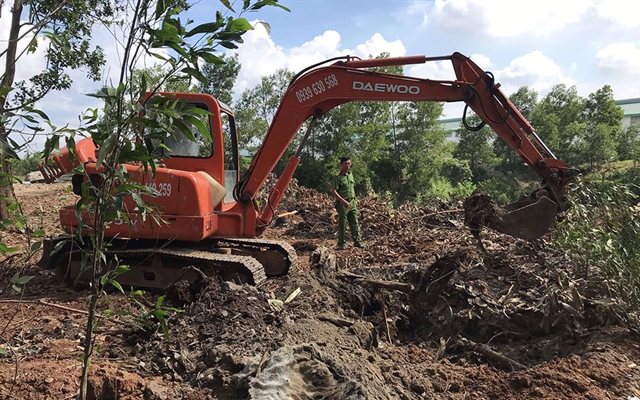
(318, 89)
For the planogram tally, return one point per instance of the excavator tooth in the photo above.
(529, 222)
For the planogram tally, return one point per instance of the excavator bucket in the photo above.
(524, 219)
(528, 222)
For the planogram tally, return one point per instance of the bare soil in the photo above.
(423, 311)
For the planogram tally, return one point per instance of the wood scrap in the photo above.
(504, 362)
(287, 214)
(386, 322)
(389, 285)
(376, 283)
(337, 321)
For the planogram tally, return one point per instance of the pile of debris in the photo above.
(423, 311)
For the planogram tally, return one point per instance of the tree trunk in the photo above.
(7, 81)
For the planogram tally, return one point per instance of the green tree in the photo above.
(371, 144)
(374, 136)
(525, 100)
(603, 119)
(257, 107)
(598, 146)
(65, 28)
(629, 143)
(221, 78)
(333, 137)
(475, 146)
(159, 79)
(27, 163)
(601, 108)
(360, 130)
(553, 116)
(419, 150)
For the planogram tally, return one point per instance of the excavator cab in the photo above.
(217, 156)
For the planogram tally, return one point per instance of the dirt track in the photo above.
(422, 312)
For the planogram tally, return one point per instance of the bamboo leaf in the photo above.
(238, 25)
(209, 27)
(228, 5)
(196, 74)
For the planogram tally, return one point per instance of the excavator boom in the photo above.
(316, 91)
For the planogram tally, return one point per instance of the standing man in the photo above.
(344, 192)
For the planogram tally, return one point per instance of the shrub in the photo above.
(26, 164)
(601, 234)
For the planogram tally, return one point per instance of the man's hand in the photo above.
(346, 203)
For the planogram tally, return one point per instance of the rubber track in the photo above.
(282, 245)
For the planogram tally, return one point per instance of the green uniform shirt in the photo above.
(345, 186)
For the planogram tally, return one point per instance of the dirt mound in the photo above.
(422, 312)
(408, 331)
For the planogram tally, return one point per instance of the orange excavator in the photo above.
(213, 220)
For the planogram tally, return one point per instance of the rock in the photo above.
(323, 263)
(34, 177)
(365, 333)
(283, 221)
(155, 391)
(64, 178)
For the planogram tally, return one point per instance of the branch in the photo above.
(73, 310)
(31, 101)
(505, 362)
(389, 285)
(376, 283)
(58, 306)
(37, 27)
(457, 210)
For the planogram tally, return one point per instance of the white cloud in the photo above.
(619, 58)
(500, 18)
(435, 70)
(533, 69)
(619, 63)
(260, 56)
(416, 8)
(376, 45)
(483, 61)
(622, 13)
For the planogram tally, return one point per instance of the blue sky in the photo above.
(537, 43)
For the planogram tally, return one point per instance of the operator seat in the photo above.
(218, 192)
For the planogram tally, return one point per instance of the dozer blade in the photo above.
(529, 222)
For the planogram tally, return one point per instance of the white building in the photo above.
(631, 108)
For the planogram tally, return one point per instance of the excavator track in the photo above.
(159, 264)
(277, 257)
(161, 267)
